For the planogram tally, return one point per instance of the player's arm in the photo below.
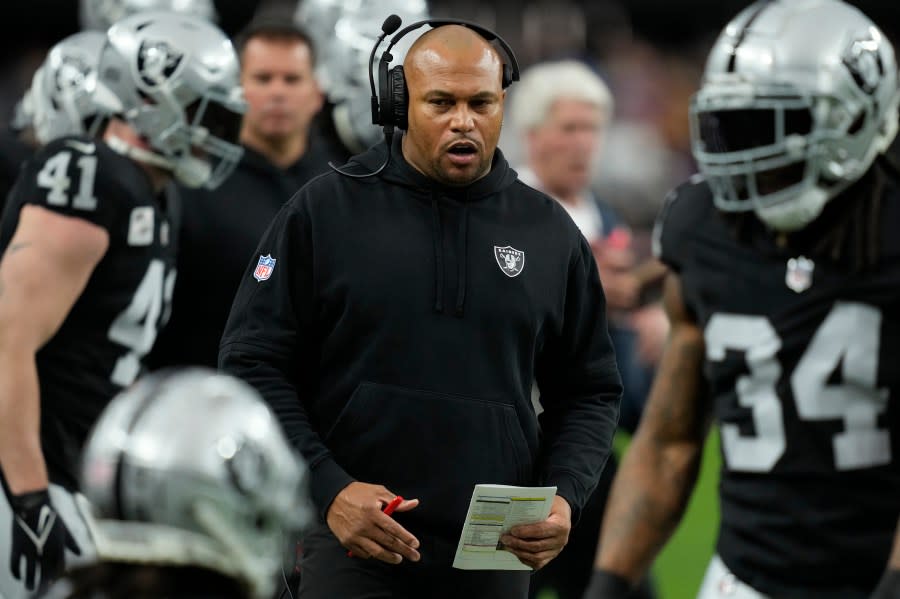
(660, 468)
(42, 272)
(889, 587)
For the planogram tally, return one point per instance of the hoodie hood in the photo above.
(443, 200)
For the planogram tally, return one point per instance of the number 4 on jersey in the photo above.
(850, 336)
(137, 325)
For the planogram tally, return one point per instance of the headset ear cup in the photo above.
(507, 79)
(385, 109)
(399, 95)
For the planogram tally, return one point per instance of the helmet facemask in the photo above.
(196, 142)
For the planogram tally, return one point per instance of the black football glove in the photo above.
(606, 585)
(889, 587)
(40, 537)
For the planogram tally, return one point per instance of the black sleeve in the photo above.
(580, 388)
(683, 209)
(68, 177)
(269, 341)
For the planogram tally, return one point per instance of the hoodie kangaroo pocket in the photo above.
(433, 446)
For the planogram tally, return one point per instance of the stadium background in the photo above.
(651, 53)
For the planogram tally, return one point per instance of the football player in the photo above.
(193, 486)
(88, 267)
(784, 299)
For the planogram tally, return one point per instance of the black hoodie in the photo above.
(399, 332)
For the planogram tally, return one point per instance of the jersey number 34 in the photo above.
(850, 337)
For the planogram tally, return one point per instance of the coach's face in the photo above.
(455, 105)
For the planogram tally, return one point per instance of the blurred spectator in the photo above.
(220, 230)
(648, 143)
(561, 109)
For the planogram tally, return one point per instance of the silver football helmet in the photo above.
(100, 15)
(798, 98)
(60, 100)
(191, 467)
(175, 79)
(344, 32)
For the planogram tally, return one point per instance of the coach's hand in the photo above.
(536, 544)
(356, 519)
(39, 539)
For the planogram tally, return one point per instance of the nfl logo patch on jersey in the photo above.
(264, 268)
(799, 274)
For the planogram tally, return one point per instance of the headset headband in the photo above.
(482, 31)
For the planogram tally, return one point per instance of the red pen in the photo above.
(388, 510)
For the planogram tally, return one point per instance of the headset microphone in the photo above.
(390, 25)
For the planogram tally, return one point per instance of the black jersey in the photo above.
(99, 348)
(801, 363)
(13, 153)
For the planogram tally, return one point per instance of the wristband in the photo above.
(28, 501)
(607, 585)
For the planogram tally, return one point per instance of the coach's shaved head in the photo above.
(436, 47)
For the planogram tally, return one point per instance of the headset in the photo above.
(391, 103)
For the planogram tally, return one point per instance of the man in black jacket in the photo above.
(396, 323)
(220, 229)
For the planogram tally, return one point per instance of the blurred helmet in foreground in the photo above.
(175, 79)
(797, 100)
(100, 15)
(344, 32)
(190, 467)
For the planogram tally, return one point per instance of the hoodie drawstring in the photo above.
(437, 236)
(462, 250)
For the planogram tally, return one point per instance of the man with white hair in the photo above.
(561, 109)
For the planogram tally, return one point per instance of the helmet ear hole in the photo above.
(857, 124)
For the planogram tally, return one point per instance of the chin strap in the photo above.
(189, 170)
(124, 148)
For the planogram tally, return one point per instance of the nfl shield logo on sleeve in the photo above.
(264, 268)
